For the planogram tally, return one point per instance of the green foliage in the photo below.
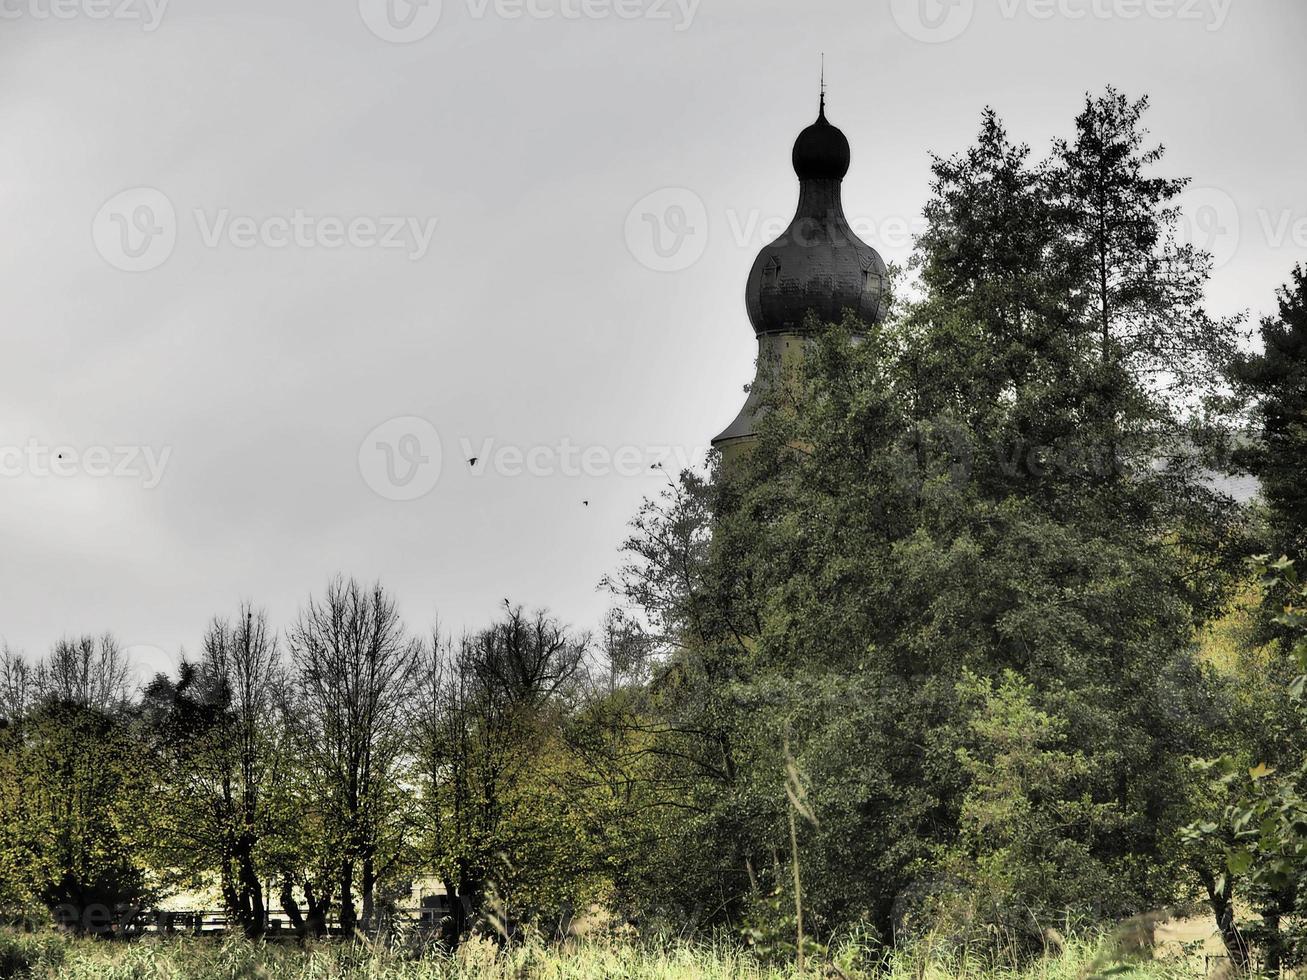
(213, 739)
(505, 803)
(30, 954)
(1131, 280)
(771, 928)
(68, 821)
(1275, 380)
(879, 594)
(1260, 824)
(354, 667)
(924, 667)
(1028, 816)
(69, 786)
(660, 958)
(950, 536)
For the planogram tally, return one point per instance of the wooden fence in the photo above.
(198, 922)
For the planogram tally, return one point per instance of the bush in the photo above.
(25, 954)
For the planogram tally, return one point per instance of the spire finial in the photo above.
(823, 85)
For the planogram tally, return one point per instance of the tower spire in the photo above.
(822, 113)
(818, 266)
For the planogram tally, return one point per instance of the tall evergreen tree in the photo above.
(1138, 289)
(933, 550)
(1275, 381)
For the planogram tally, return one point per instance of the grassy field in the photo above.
(50, 956)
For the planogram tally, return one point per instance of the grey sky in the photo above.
(266, 343)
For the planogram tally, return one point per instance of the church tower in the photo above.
(817, 265)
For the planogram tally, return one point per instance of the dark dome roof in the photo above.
(819, 265)
(821, 151)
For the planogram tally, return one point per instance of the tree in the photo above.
(1131, 279)
(299, 849)
(685, 738)
(87, 671)
(1267, 733)
(69, 785)
(488, 723)
(1274, 380)
(1026, 827)
(995, 299)
(1257, 821)
(354, 670)
(18, 860)
(80, 793)
(215, 733)
(1115, 356)
(939, 528)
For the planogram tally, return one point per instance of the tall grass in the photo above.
(25, 957)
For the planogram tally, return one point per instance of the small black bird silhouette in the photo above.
(586, 502)
(473, 461)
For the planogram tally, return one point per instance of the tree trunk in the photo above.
(1223, 908)
(457, 920)
(290, 906)
(1275, 944)
(1274, 957)
(252, 907)
(368, 886)
(348, 921)
(318, 906)
(231, 897)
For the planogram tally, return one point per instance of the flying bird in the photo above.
(473, 461)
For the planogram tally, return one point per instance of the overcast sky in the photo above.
(275, 269)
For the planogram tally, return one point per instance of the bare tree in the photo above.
(354, 670)
(523, 660)
(241, 668)
(88, 671)
(17, 685)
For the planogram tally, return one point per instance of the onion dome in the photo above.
(821, 152)
(819, 264)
